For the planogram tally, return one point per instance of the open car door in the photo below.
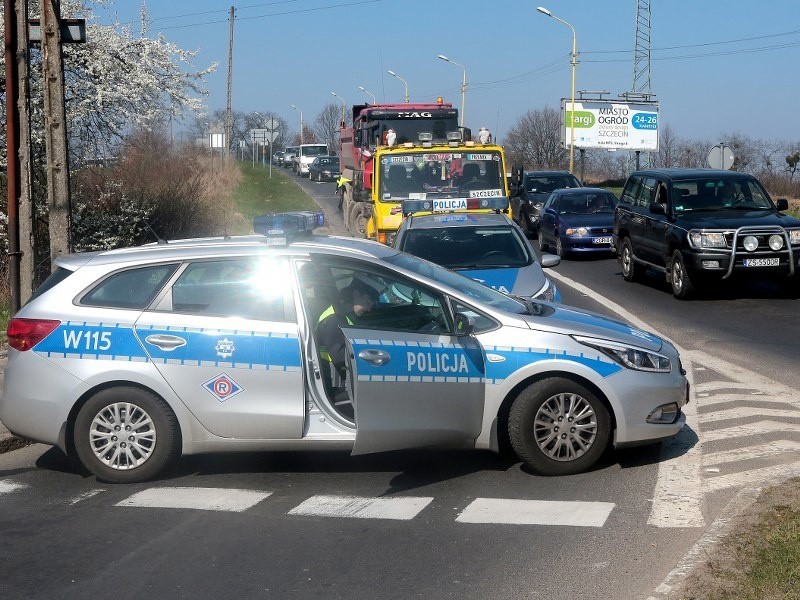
(414, 389)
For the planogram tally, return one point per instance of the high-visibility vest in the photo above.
(323, 352)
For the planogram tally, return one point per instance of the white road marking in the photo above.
(84, 496)
(678, 494)
(713, 386)
(402, 508)
(536, 512)
(743, 412)
(7, 486)
(713, 484)
(222, 499)
(758, 428)
(750, 452)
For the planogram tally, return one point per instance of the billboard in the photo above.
(611, 124)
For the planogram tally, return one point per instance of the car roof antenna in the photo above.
(153, 231)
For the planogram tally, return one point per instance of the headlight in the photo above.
(794, 236)
(631, 357)
(548, 293)
(577, 231)
(707, 240)
(775, 242)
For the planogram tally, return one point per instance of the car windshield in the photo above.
(314, 150)
(421, 175)
(547, 184)
(721, 193)
(469, 247)
(470, 287)
(587, 204)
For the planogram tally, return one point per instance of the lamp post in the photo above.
(573, 62)
(463, 84)
(344, 105)
(368, 92)
(393, 74)
(301, 122)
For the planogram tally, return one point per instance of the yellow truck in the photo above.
(455, 176)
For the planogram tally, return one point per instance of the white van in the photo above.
(305, 156)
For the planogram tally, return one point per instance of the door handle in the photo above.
(375, 357)
(168, 343)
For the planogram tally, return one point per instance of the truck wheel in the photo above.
(358, 220)
(126, 435)
(558, 427)
(631, 270)
(682, 286)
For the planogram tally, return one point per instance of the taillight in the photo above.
(24, 334)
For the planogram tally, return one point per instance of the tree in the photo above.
(535, 140)
(792, 164)
(326, 126)
(115, 82)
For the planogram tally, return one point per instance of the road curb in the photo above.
(714, 535)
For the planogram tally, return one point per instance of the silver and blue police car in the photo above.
(488, 247)
(126, 359)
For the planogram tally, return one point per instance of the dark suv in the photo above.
(702, 225)
(531, 190)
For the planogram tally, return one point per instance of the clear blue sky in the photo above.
(717, 66)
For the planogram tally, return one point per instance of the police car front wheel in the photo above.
(558, 427)
(125, 435)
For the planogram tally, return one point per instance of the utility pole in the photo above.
(58, 198)
(27, 212)
(230, 82)
(12, 133)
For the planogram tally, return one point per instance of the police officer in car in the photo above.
(358, 299)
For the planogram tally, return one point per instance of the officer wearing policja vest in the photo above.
(358, 299)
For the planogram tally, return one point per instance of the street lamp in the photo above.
(344, 105)
(368, 92)
(463, 84)
(301, 122)
(393, 74)
(573, 61)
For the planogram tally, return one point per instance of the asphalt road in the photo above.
(273, 529)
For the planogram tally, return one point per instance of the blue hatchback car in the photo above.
(578, 220)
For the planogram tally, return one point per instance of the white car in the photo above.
(128, 358)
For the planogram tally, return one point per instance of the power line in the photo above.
(705, 44)
(277, 14)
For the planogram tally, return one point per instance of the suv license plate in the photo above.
(761, 262)
(602, 240)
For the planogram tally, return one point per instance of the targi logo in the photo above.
(223, 387)
(225, 348)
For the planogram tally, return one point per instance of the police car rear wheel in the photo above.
(558, 427)
(126, 435)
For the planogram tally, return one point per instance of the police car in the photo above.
(488, 247)
(126, 359)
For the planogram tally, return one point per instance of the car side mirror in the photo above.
(550, 260)
(783, 204)
(464, 324)
(657, 208)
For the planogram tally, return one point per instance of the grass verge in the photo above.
(258, 194)
(760, 558)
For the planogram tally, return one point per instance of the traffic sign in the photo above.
(721, 157)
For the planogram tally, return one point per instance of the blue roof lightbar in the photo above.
(280, 228)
